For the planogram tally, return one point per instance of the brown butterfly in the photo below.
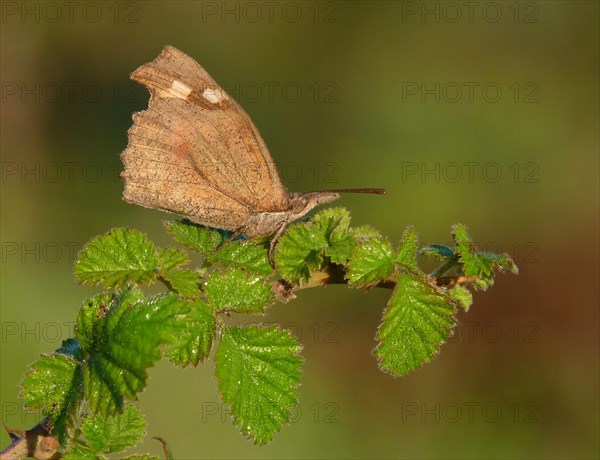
(195, 152)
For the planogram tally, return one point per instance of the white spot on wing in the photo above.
(179, 89)
(212, 95)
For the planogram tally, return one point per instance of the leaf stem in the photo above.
(444, 268)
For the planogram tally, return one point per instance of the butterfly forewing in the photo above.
(195, 151)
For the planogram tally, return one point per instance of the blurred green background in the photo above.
(346, 94)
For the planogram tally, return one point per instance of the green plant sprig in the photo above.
(86, 387)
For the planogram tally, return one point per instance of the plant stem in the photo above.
(444, 268)
(336, 274)
(34, 443)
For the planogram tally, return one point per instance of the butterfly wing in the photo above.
(195, 151)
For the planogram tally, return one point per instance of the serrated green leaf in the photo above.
(407, 252)
(121, 256)
(258, 370)
(237, 290)
(116, 433)
(195, 333)
(244, 254)
(497, 261)
(87, 318)
(438, 251)
(479, 265)
(462, 296)
(462, 239)
(335, 225)
(371, 262)
(505, 262)
(171, 259)
(124, 344)
(54, 386)
(95, 308)
(365, 233)
(332, 220)
(417, 320)
(341, 247)
(81, 453)
(186, 283)
(197, 237)
(473, 265)
(299, 251)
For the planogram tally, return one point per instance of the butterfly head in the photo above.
(304, 202)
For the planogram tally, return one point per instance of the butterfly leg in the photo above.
(274, 240)
(235, 234)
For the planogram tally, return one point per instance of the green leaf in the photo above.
(481, 268)
(54, 386)
(371, 262)
(116, 433)
(258, 370)
(407, 252)
(171, 259)
(244, 254)
(117, 258)
(502, 261)
(197, 237)
(122, 341)
(462, 296)
(472, 264)
(93, 310)
(81, 453)
(303, 247)
(330, 219)
(335, 225)
(237, 290)
(439, 251)
(365, 233)
(462, 239)
(340, 247)
(480, 265)
(193, 340)
(417, 320)
(186, 283)
(299, 251)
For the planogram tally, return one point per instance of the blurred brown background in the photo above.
(484, 113)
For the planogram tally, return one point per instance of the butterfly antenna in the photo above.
(375, 191)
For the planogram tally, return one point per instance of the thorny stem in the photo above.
(35, 443)
(336, 274)
(39, 444)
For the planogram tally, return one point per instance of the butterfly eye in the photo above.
(299, 203)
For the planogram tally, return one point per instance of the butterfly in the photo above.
(196, 152)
